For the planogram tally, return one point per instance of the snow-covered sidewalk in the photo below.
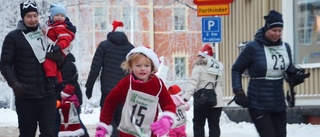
(9, 126)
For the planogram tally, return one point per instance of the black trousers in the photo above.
(269, 124)
(200, 115)
(32, 112)
(116, 116)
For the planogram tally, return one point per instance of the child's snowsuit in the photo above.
(59, 37)
(179, 129)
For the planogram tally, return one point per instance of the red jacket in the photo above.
(58, 32)
(118, 96)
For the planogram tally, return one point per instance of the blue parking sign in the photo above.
(211, 29)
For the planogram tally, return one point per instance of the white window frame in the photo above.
(128, 20)
(181, 64)
(100, 18)
(176, 17)
(288, 31)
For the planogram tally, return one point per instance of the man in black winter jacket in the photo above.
(21, 65)
(108, 58)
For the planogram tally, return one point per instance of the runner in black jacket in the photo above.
(107, 59)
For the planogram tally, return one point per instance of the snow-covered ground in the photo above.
(8, 125)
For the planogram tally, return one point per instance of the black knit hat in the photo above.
(27, 6)
(273, 19)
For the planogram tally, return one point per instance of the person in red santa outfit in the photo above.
(182, 107)
(70, 123)
(141, 92)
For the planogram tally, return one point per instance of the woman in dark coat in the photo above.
(267, 59)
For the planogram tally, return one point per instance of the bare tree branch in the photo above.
(186, 5)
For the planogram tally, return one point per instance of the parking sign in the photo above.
(211, 29)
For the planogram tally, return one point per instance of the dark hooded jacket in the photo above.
(70, 75)
(263, 94)
(19, 63)
(107, 59)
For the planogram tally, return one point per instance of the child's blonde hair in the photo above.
(135, 57)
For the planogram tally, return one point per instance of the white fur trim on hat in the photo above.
(65, 94)
(119, 29)
(202, 54)
(148, 52)
(107, 127)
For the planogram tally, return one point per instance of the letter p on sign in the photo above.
(210, 24)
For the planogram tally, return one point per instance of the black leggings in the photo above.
(269, 124)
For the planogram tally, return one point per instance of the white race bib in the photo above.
(35, 39)
(138, 113)
(214, 67)
(181, 115)
(277, 61)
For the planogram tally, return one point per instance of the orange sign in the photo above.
(211, 2)
(213, 10)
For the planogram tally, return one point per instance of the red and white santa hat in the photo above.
(205, 51)
(68, 90)
(116, 26)
(148, 52)
(174, 90)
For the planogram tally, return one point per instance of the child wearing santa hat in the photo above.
(140, 92)
(60, 33)
(70, 122)
(179, 129)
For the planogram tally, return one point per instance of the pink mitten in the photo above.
(162, 126)
(101, 131)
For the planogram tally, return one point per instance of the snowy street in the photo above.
(9, 126)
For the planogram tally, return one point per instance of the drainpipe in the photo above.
(131, 22)
(151, 24)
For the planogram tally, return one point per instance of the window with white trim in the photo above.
(180, 68)
(126, 16)
(306, 45)
(179, 19)
(100, 18)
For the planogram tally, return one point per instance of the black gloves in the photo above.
(53, 82)
(297, 78)
(55, 56)
(59, 87)
(89, 92)
(56, 48)
(18, 88)
(241, 99)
